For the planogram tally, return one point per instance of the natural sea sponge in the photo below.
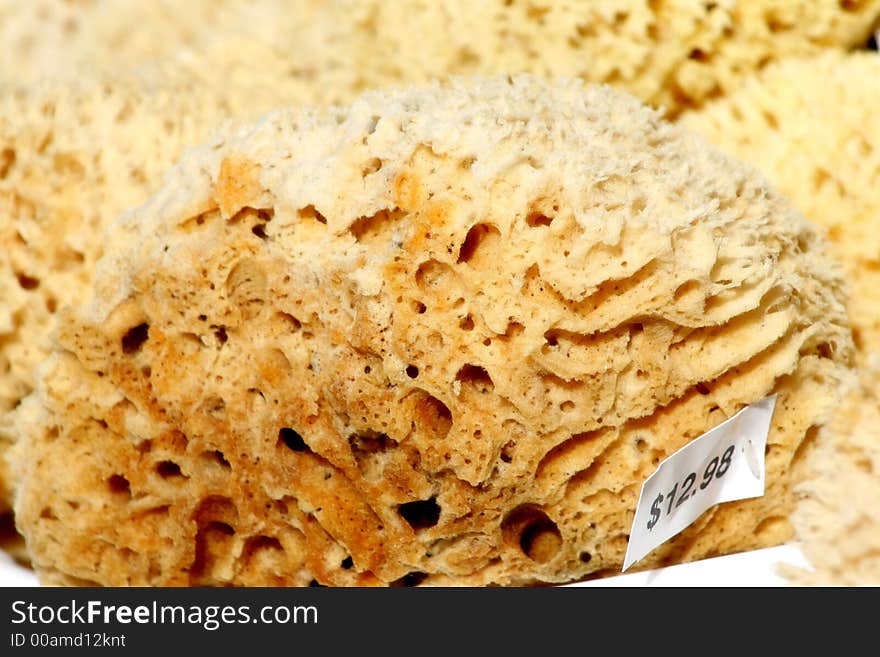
(73, 154)
(668, 53)
(439, 336)
(812, 127)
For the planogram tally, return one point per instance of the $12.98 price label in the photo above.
(726, 463)
(716, 469)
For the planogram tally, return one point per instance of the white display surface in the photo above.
(12, 574)
(756, 568)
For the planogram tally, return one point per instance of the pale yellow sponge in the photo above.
(439, 336)
(671, 53)
(52, 38)
(837, 518)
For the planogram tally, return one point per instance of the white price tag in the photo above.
(726, 463)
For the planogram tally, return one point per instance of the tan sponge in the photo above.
(439, 336)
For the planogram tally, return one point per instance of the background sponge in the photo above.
(671, 53)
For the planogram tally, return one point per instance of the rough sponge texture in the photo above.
(671, 53)
(440, 336)
(72, 156)
(812, 127)
(837, 518)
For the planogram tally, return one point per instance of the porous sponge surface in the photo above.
(438, 336)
